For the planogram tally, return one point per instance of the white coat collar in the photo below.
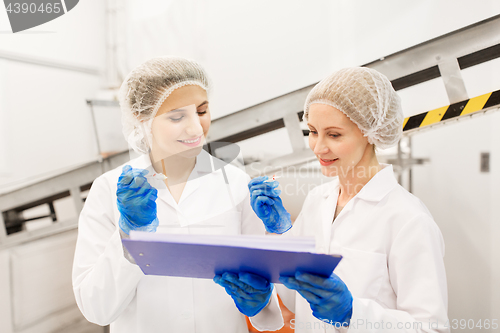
(203, 166)
(206, 163)
(380, 185)
(375, 190)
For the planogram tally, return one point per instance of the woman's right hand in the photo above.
(329, 298)
(250, 292)
(266, 203)
(136, 200)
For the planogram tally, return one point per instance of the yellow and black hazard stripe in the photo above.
(455, 110)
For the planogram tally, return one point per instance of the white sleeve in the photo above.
(104, 282)
(288, 296)
(418, 277)
(270, 318)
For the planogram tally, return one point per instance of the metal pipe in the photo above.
(48, 63)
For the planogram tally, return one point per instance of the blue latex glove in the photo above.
(329, 298)
(250, 292)
(266, 203)
(136, 200)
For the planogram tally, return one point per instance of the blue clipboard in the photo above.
(167, 258)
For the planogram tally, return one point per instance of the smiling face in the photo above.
(181, 123)
(336, 141)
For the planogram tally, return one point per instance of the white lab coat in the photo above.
(110, 290)
(392, 257)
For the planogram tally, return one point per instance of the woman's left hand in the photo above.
(329, 298)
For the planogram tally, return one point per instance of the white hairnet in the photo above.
(146, 88)
(367, 98)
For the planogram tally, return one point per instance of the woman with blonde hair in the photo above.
(392, 275)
